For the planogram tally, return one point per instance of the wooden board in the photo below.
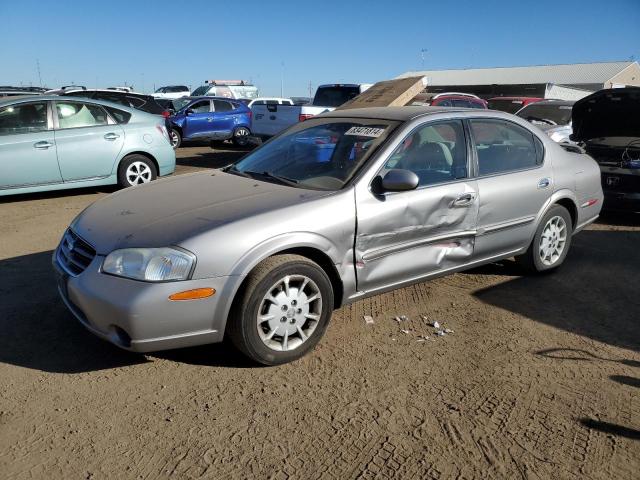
(388, 93)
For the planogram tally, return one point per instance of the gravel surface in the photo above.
(539, 379)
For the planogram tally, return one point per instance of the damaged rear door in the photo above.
(402, 236)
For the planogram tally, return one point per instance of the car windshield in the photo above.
(180, 103)
(334, 96)
(548, 114)
(200, 91)
(322, 154)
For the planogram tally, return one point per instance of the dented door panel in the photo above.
(407, 235)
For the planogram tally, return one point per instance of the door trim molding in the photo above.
(506, 225)
(383, 252)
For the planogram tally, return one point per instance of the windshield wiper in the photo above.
(280, 178)
(545, 120)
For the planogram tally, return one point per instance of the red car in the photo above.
(455, 99)
(511, 104)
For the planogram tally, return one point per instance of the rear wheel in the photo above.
(551, 242)
(241, 136)
(176, 138)
(282, 311)
(135, 170)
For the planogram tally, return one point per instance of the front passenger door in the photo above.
(27, 146)
(199, 120)
(404, 236)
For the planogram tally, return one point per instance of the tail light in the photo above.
(304, 116)
(250, 113)
(166, 114)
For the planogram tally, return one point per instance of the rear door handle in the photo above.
(464, 200)
(42, 145)
(544, 183)
(111, 136)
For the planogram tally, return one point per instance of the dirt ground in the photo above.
(539, 380)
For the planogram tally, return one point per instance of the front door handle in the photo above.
(42, 145)
(209, 119)
(544, 183)
(464, 200)
(111, 136)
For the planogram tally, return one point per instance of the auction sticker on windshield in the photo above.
(372, 132)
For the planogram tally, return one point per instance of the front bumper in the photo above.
(138, 316)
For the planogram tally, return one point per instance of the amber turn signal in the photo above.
(193, 294)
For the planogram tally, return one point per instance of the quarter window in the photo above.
(76, 115)
(23, 118)
(503, 147)
(436, 153)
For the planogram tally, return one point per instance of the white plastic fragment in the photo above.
(435, 324)
(448, 330)
(397, 319)
(368, 320)
(440, 333)
(403, 318)
(405, 331)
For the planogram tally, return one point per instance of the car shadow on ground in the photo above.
(584, 296)
(53, 194)
(214, 158)
(38, 332)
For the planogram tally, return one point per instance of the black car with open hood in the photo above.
(607, 125)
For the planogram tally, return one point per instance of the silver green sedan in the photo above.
(339, 207)
(51, 143)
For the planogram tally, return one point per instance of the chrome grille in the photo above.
(74, 254)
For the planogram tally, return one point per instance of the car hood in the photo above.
(170, 211)
(607, 113)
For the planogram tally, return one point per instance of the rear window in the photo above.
(546, 114)
(119, 116)
(509, 106)
(334, 96)
(220, 106)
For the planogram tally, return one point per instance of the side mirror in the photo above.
(188, 112)
(397, 180)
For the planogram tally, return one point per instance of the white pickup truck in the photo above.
(269, 120)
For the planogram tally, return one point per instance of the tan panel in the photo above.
(388, 93)
(629, 76)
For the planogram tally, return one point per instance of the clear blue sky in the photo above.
(185, 42)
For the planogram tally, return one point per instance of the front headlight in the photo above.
(150, 264)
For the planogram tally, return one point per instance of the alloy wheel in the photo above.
(552, 240)
(137, 173)
(289, 313)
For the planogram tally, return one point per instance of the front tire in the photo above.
(551, 242)
(135, 170)
(282, 311)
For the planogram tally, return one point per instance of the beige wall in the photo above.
(630, 76)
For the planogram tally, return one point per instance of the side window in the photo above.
(503, 147)
(272, 102)
(476, 104)
(260, 102)
(444, 103)
(202, 106)
(23, 118)
(135, 102)
(221, 106)
(436, 153)
(76, 115)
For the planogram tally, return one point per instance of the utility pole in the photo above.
(422, 53)
(39, 76)
(310, 89)
(282, 80)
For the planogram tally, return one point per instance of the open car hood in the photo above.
(607, 113)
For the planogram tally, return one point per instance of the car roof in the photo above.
(46, 98)
(207, 97)
(401, 114)
(515, 98)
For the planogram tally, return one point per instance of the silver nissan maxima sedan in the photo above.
(339, 207)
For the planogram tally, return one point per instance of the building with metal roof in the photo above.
(569, 81)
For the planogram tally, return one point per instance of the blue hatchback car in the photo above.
(210, 118)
